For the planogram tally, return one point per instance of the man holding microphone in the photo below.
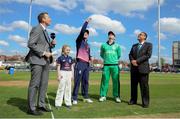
(39, 57)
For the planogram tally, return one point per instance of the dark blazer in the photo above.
(38, 43)
(142, 57)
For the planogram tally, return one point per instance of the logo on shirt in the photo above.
(70, 61)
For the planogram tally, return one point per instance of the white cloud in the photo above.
(96, 44)
(137, 31)
(18, 39)
(62, 5)
(20, 24)
(92, 31)
(5, 29)
(163, 36)
(52, 31)
(4, 43)
(169, 25)
(106, 24)
(123, 7)
(14, 25)
(23, 44)
(66, 29)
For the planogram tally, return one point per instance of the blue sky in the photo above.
(125, 17)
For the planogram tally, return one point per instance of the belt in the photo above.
(110, 64)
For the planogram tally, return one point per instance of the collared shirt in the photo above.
(65, 62)
(140, 45)
(110, 44)
(142, 42)
(44, 28)
(46, 33)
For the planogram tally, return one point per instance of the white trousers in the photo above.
(64, 89)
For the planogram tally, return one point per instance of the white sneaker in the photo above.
(102, 99)
(74, 102)
(87, 100)
(118, 100)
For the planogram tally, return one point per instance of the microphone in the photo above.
(53, 35)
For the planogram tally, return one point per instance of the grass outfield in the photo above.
(164, 96)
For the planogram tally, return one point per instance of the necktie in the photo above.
(139, 47)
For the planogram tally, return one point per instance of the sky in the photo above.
(126, 18)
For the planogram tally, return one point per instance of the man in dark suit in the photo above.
(139, 57)
(39, 57)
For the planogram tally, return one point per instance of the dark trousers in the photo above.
(142, 79)
(81, 74)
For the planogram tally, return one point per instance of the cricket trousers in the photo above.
(81, 75)
(113, 71)
(64, 89)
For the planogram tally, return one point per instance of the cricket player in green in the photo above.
(110, 53)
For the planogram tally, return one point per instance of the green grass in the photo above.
(20, 76)
(164, 95)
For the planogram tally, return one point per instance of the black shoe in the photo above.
(44, 109)
(34, 112)
(145, 106)
(132, 103)
(68, 106)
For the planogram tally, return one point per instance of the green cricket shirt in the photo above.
(110, 53)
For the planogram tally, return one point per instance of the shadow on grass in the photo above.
(18, 102)
(96, 97)
(127, 102)
(51, 97)
(52, 94)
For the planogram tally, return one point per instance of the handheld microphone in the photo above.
(53, 35)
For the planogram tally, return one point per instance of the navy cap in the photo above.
(112, 33)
